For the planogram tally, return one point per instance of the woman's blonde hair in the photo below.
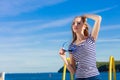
(86, 30)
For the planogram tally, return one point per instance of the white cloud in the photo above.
(33, 40)
(103, 10)
(16, 27)
(11, 27)
(110, 27)
(52, 24)
(97, 11)
(23, 41)
(16, 7)
(108, 40)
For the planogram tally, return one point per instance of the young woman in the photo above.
(83, 57)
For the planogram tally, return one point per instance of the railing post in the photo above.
(112, 68)
(64, 72)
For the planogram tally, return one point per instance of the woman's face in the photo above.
(77, 25)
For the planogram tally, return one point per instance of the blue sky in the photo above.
(32, 31)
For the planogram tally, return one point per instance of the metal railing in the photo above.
(112, 68)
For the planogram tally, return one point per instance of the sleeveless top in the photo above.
(84, 55)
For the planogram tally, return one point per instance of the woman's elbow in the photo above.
(99, 18)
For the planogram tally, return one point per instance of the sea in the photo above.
(48, 76)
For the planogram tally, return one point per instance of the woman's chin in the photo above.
(76, 31)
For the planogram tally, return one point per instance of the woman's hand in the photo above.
(62, 54)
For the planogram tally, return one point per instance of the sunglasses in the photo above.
(67, 47)
(78, 23)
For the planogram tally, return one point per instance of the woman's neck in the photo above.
(80, 37)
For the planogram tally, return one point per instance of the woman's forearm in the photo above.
(92, 16)
(69, 67)
(67, 63)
